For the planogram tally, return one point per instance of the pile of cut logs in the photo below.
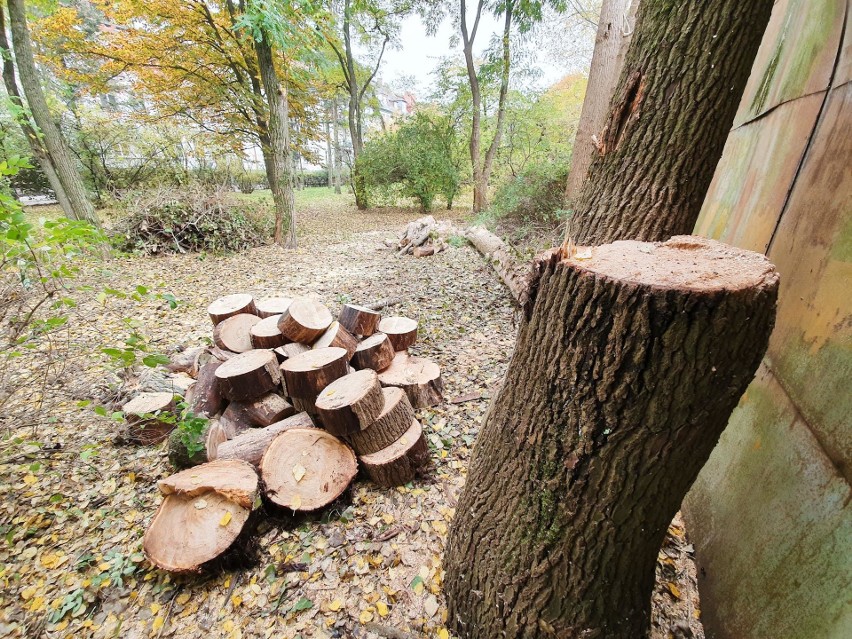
(294, 398)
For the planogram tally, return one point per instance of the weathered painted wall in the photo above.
(770, 515)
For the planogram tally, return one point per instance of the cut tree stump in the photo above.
(290, 350)
(307, 374)
(420, 378)
(351, 403)
(263, 411)
(234, 333)
(230, 305)
(305, 469)
(265, 333)
(401, 331)
(359, 320)
(400, 462)
(338, 336)
(270, 306)
(210, 437)
(142, 415)
(304, 320)
(248, 375)
(203, 513)
(624, 376)
(391, 424)
(204, 397)
(374, 352)
(250, 445)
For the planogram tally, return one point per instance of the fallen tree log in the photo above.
(374, 352)
(359, 320)
(248, 375)
(203, 513)
(515, 275)
(305, 375)
(304, 320)
(251, 444)
(400, 462)
(401, 331)
(350, 403)
(391, 424)
(203, 397)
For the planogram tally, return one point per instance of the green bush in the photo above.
(317, 177)
(536, 195)
(418, 160)
(189, 219)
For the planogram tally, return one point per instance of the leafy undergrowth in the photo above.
(75, 503)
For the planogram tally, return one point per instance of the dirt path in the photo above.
(73, 516)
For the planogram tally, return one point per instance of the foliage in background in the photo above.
(418, 160)
(190, 219)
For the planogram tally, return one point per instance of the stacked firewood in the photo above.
(294, 398)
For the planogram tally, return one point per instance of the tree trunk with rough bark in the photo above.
(279, 166)
(615, 28)
(619, 385)
(57, 150)
(335, 114)
(622, 381)
(683, 76)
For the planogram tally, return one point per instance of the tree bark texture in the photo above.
(279, 170)
(619, 388)
(683, 76)
(54, 143)
(336, 155)
(615, 28)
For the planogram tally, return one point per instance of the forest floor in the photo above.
(75, 503)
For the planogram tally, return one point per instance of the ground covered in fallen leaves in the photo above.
(75, 502)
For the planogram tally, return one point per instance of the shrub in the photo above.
(317, 177)
(192, 218)
(536, 195)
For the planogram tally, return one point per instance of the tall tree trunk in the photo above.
(613, 37)
(329, 157)
(482, 166)
(280, 170)
(57, 149)
(335, 114)
(683, 76)
(621, 383)
(618, 388)
(36, 147)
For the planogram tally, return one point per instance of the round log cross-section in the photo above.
(336, 335)
(304, 320)
(150, 417)
(306, 374)
(230, 305)
(270, 306)
(401, 331)
(265, 333)
(234, 333)
(374, 352)
(419, 377)
(359, 320)
(622, 380)
(351, 403)
(306, 468)
(248, 375)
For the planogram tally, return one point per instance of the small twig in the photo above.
(168, 612)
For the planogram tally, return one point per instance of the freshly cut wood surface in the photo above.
(234, 333)
(304, 320)
(248, 375)
(269, 306)
(351, 403)
(395, 418)
(262, 411)
(230, 305)
(400, 462)
(142, 416)
(305, 469)
(359, 320)
(401, 331)
(265, 333)
(250, 445)
(374, 352)
(203, 397)
(203, 513)
(305, 375)
(290, 350)
(420, 378)
(338, 336)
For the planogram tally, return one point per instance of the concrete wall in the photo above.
(770, 514)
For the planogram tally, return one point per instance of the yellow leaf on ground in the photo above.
(228, 626)
(226, 518)
(674, 590)
(236, 600)
(388, 518)
(366, 616)
(155, 608)
(27, 593)
(103, 566)
(443, 634)
(30, 479)
(335, 605)
(183, 598)
(158, 623)
(382, 607)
